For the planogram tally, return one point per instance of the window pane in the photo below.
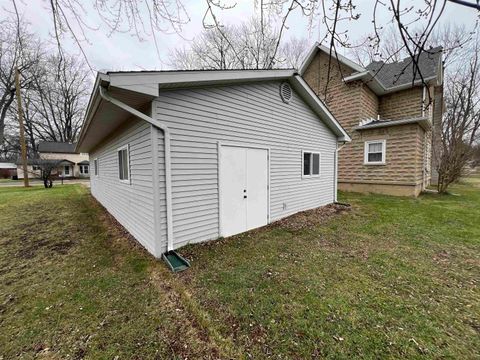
(316, 164)
(375, 148)
(306, 163)
(125, 164)
(375, 157)
(120, 165)
(85, 169)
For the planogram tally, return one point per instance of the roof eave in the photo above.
(379, 89)
(101, 80)
(424, 122)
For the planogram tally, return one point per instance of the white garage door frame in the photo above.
(220, 193)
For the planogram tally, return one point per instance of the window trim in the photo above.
(127, 148)
(311, 164)
(82, 168)
(96, 167)
(384, 152)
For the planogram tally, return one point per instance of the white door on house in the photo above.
(244, 189)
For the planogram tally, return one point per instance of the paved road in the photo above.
(84, 182)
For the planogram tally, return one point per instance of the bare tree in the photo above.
(249, 47)
(461, 124)
(453, 38)
(293, 51)
(209, 50)
(56, 102)
(18, 48)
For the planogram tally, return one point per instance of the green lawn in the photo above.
(393, 277)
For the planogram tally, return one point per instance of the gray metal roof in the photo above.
(422, 121)
(402, 72)
(56, 147)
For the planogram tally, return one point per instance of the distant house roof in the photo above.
(40, 162)
(383, 78)
(6, 165)
(56, 147)
(403, 72)
(84, 162)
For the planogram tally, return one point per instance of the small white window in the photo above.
(123, 164)
(66, 170)
(95, 166)
(310, 163)
(375, 152)
(36, 167)
(84, 169)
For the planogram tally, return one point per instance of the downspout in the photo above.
(168, 173)
(337, 149)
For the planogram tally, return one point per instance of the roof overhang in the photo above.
(138, 89)
(378, 88)
(424, 122)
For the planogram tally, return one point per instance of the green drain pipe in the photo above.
(175, 261)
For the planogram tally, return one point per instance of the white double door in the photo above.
(243, 189)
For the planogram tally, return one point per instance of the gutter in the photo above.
(168, 170)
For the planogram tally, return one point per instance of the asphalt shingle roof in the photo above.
(56, 147)
(402, 72)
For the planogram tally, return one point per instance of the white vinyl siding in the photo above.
(131, 205)
(248, 115)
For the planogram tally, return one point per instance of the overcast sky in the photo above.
(124, 51)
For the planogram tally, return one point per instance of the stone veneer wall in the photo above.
(405, 104)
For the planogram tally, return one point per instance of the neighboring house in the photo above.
(181, 157)
(385, 109)
(7, 170)
(70, 164)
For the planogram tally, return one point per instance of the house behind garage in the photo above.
(67, 162)
(392, 112)
(189, 156)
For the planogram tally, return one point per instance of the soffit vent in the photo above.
(286, 92)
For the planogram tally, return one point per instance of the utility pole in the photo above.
(22, 128)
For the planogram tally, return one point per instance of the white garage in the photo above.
(188, 156)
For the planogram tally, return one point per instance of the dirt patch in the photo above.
(33, 248)
(310, 218)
